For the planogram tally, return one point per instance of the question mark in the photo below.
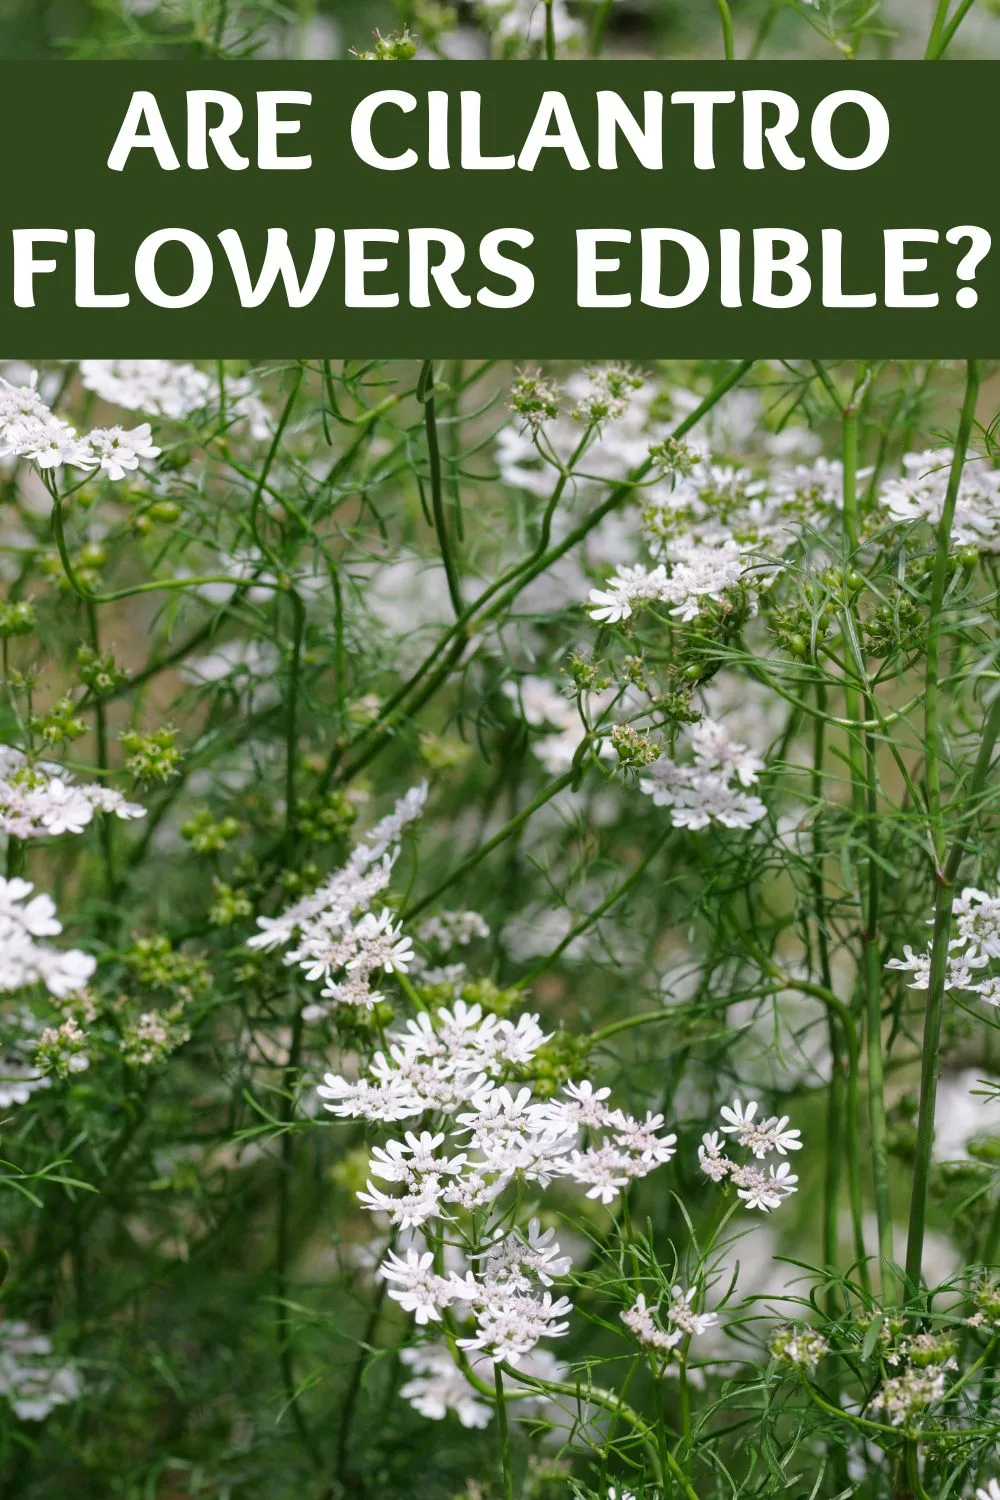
(981, 241)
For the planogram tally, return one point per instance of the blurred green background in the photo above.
(330, 28)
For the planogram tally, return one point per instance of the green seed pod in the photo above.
(92, 555)
(17, 618)
(177, 458)
(164, 510)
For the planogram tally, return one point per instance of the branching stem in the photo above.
(946, 865)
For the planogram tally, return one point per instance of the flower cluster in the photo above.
(441, 1065)
(442, 934)
(716, 504)
(976, 942)
(903, 1398)
(450, 929)
(439, 1386)
(512, 1311)
(919, 493)
(330, 936)
(801, 1348)
(614, 410)
(30, 430)
(61, 1050)
(20, 1077)
(492, 1136)
(31, 1379)
(682, 1321)
(762, 1137)
(152, 1036)
(40, 799)
(698, 573)
(24, 959)
(713, 787)
(175, 391)
(485, 1184)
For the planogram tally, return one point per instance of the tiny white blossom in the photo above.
(639, 1321)
(117, 450)
(416, 1286)
(409, 1210)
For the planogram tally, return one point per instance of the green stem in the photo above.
(505, 589)
(589, 920)
(937, 28)
(853, 1154)
(283, 1242)
(991, 1238)
(425, 394)
(107, 832)
(601, 14)
(935, 624)
(944, 31)
(156, 585)
(545, 795)
(505, 1468)
(291, 725)
(550, 32)
(593, 1395)
(946, 868)
(388, 722)
(864, 801)
(837, 1090)
(272, 452)
(911, 1458)
(357, 1375)
(763, 30)
(725, 16)
(15, 856)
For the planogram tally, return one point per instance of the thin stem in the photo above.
(601, 13)
(283, 1241)
(837, 1090)
(156, 585)
(511, 583)
(935, 624)
(946, 867)
(725, 16)
(937, 28)
(594, 1395)
(272, 452)
(595, 916)
(936, 48)
(101, 735)
(291, 726)
(505, 1467)
(545, 795)
(357, 1375)
(763, 30)
(991, 1238)
(864, 802)
(550, 32)
(425, 394)
(15, 856)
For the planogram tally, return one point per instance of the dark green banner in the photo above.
(581, 210)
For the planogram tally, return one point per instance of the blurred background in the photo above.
(624, 28)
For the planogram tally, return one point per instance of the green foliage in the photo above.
(295, 633)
